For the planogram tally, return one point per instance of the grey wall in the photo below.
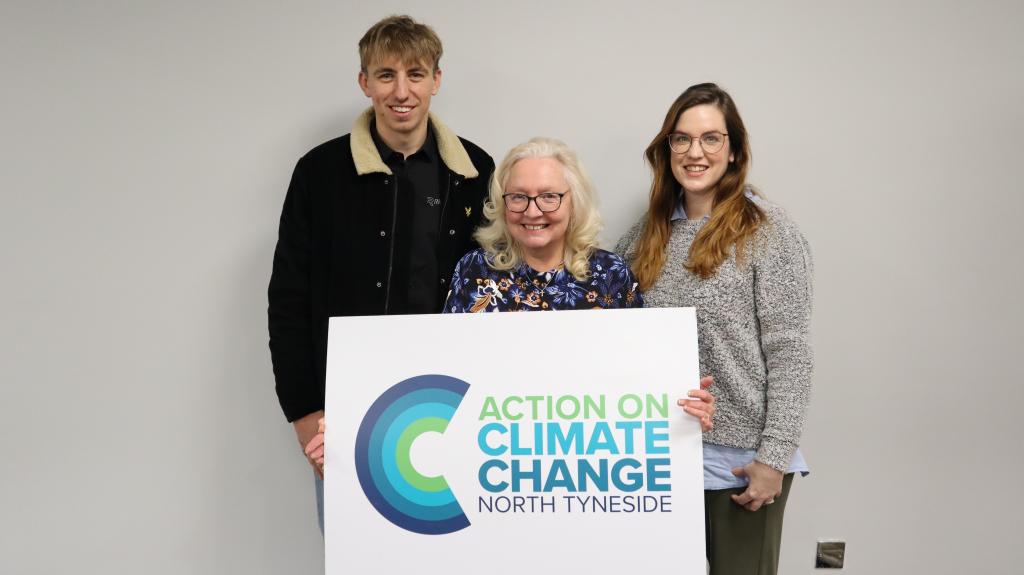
(146, 149)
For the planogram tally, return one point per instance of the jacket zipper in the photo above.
(440, 231)
(391, 244)
(444, 207)
(440, 235)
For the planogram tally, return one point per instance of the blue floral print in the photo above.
(477, 287)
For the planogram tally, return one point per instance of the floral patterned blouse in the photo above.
(477, 287)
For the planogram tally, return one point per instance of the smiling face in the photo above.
(541, 235)
(696, 170)
(400, 92)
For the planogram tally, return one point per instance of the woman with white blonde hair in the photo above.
(539, 245)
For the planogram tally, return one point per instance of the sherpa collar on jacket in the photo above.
(367, 159)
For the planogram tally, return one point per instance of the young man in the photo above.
(374, 221)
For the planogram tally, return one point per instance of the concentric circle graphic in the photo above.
(400, 493)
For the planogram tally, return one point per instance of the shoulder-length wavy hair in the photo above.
(733, 218)
(585, 223)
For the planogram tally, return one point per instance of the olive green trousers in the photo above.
(741, 542)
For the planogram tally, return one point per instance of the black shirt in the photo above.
(415, 284)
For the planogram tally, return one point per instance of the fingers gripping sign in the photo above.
(315, 448)
(700, 403)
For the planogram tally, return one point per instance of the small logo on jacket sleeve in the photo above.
(469, 210)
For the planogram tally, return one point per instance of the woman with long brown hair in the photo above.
(710, 241)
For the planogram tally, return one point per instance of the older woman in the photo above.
(710, 241)
(539, 243)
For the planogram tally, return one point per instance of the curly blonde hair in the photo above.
(584, 221)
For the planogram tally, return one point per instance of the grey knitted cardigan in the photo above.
(753, 324)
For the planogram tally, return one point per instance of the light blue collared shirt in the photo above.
(719, 460)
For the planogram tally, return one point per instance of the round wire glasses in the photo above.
(710, 142)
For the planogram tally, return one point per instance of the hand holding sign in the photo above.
(701, 403)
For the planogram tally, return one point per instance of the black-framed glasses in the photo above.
(710, 142)
(546, 202)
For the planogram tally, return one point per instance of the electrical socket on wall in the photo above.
(830, 554)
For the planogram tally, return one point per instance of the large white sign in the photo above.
(513, 443)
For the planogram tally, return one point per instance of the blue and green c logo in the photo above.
(404, 496)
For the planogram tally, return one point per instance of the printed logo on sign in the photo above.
(400, 493)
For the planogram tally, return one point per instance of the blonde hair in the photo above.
(584, 221)
(403, 37)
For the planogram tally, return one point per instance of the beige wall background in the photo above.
(147, 146)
